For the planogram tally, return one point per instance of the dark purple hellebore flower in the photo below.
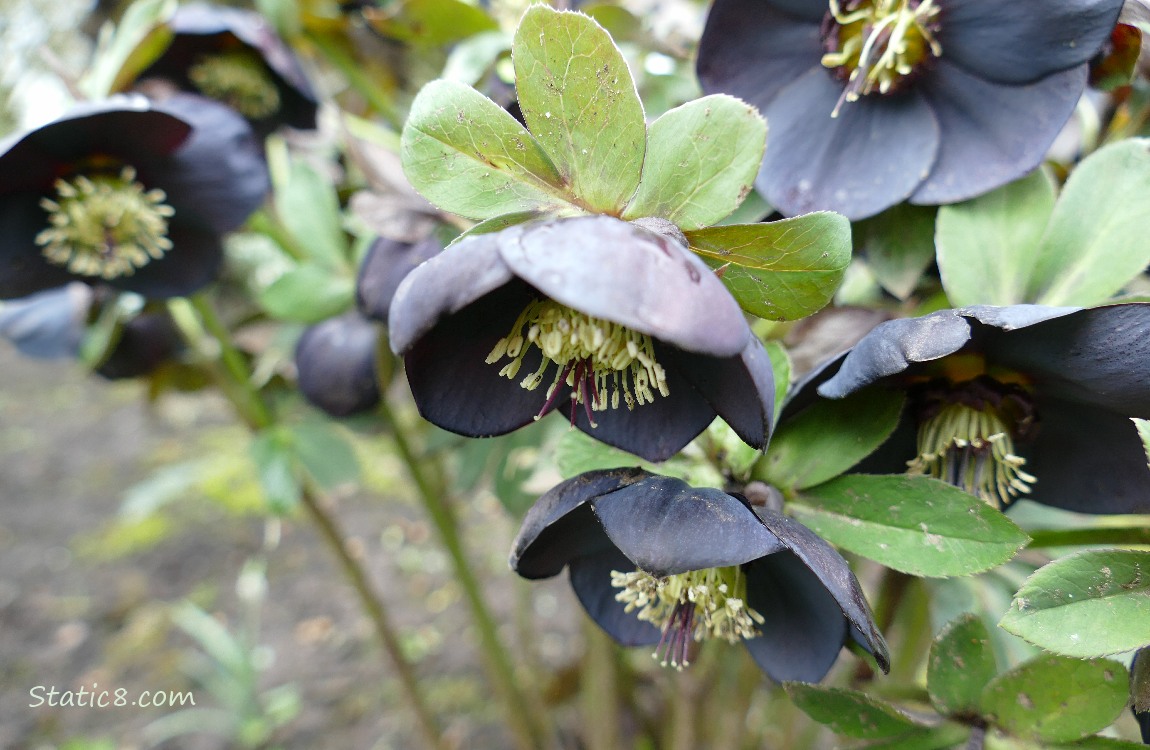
(872, 102)
(656, 561)
(386, 264)
(336, 365)
(1008, 402)
(234, 56)
(629, 334)
(128, 193)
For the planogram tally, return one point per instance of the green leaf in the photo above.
(431, 22)
(1086, 604)
(1102, 743)
(961, 664)
(918, 525)
(577, 452)
(473, 58)
(137, 41)
(849, 712)
(1096, 241)
(987, 247)
(1057, 699)
(272, 452)
(467, 155)
(308, 206)
(579, 100)
(1143, 427)
(784, 270)
(701, 162)
(945, 737)
(828, 437)
(781, 369)
(308, 294)
(898, 245)
(325, 454)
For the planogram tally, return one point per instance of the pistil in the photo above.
(105, 225)
(692, 606)
(239, 79)
(876, 45)
(605, 364)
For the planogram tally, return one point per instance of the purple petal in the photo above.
(386, 265)
(193, 262)
(611, 269)
(1019, 42)
(808, 10)
(893, 346)
(146, 342)
(740, 389)
(560, 525)
(23, 269)
(444, 285)
(335, 361)
(665, 526)
(591, 581)
(453, 386)
(48, 324)
(752, 52)
(803, 630)
(1013, 317)
(992, 133)
(870, 157)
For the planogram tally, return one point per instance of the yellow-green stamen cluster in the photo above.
(105, 225)
(972, 449)
(605, 364)
(240, 79)
(876, 44)
(709, 603)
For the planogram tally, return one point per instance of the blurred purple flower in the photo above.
(336, 365)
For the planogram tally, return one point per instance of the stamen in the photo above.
(709, 603)
(969, 441)
(238, 78)
(598, 360)
(875, 45)
(105, 225)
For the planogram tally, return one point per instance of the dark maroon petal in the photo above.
(454, 387)
(387, 264)
(611, 269)
(655, 431)
(335, 361)
(591, 581)
(49, 324)
(1087, 460)
(23, 269)
(444, 285)
(193, 262)
(218, 177)
(803, 631)
(740, 389)
(1098, 356)
(665, 526)
(146, 342)
(893, 346)
(125, 128)
(992, 133)
(1020, 43)
(1013, 317)
(808, 10)
(870, 157)
(560, 525)
(836, 576)
(752, 51)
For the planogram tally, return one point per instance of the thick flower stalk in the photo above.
(657, 562)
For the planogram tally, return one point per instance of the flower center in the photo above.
(966, 438)
(709, 603)
(239, 79)
(875, 45)
(604, 363)
(105, 225)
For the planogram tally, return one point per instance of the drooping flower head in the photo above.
(1024, 401)
(622, 329)
(336, 364)
(128, 193)
(235, 57)
(872, 102)
(385, 265)
(655, 561)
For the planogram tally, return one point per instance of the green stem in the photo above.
(600, 690)
(523, 715)
(347, 65)
(1077, 537)
(235, 380)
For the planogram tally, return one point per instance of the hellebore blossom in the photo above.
(624, 330)
(336, 365)
(1008, 402)
(128, 193)
(385, 265)
(655, 561)
(235, 57)
(872, 102)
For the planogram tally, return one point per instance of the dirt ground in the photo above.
(87, 591)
